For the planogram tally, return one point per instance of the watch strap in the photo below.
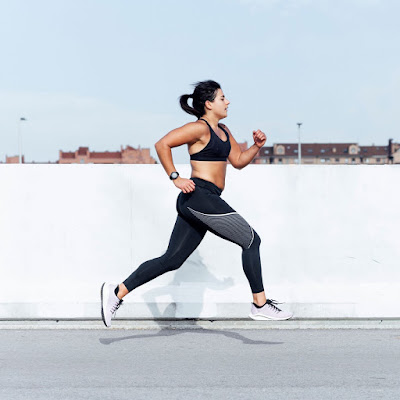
(174, 175)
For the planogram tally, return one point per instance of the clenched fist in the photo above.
(259, 138)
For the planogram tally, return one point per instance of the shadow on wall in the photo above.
(192, 271)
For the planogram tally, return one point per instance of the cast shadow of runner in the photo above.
(194, 270)
(169, 332)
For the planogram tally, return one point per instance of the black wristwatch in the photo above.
(173, 175)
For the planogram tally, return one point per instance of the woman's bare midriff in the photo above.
(212, 171)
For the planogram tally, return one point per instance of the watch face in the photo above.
(174, 175)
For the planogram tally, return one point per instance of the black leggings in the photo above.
(198, 212)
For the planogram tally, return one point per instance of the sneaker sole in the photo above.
(264, 318)
(102, 304)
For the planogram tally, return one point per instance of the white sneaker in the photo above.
(109, 303)
(269, 312)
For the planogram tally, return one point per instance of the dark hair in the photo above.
(203, 91)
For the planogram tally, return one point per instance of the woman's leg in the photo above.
(221, 219)
(184, 240)
(225, 222)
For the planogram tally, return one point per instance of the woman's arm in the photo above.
(240, 159)
(187, 134)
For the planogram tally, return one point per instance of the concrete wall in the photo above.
(330, 241)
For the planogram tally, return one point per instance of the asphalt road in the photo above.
(199, 364)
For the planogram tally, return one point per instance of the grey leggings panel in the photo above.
(229, 225)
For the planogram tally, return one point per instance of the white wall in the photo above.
(330, 241)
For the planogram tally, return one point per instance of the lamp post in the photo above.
(20, 140)
(299, 147)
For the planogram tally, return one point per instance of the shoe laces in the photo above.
(115, 307)
(272, 304)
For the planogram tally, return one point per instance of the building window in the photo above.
(288, 147)
(279, 150)
(353, 160)
(367, 160)
(346, 160)
(345, 151)
(336, 159)
(82, 161)
(266, 152)
(322, 160)
(378, 160)
(322, 150)
(353, 150)
(309, 150)
(295, 151)
(280, 161)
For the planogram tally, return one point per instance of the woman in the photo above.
(200, 207)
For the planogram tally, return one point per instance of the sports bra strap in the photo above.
(205, 122)
(219, 126)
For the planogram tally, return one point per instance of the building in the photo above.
(14, 159)
(329, 153)
(128, 155)
(279, 153)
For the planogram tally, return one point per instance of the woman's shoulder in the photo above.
(225, 128)
(191, 132)
(196, 126)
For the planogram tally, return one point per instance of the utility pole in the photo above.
(299, 147)
(390, 153)
(20, 140)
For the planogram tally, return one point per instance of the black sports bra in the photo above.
(216, 149)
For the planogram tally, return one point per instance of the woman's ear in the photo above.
(208, 105)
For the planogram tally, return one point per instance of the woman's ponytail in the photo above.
(185, 106)
(204, 91)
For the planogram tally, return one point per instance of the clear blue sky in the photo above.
(108, 73)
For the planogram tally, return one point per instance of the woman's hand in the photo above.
(259, 138)
(186, 185)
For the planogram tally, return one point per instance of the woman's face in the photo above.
(220, 105)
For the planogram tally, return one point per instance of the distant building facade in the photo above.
(279, 153)
(127, 155)
(329, 153)
(14, 159)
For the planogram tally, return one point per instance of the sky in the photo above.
(106, 73)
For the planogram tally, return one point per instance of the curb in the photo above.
(220, 324)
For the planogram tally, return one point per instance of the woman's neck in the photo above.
(212, 120)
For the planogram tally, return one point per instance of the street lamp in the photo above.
(20, 140)
(299, 124)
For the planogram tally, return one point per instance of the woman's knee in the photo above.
(256, 240)
(170, 263)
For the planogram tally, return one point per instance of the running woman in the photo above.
(199, 205)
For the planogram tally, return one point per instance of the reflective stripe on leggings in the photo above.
(230, 225)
